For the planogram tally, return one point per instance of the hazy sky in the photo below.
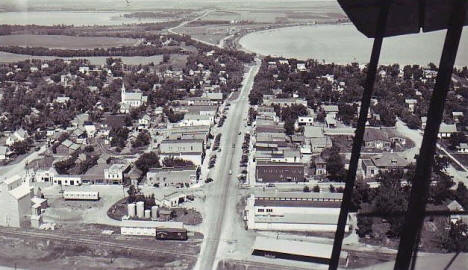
(142, 4)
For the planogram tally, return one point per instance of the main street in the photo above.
(221, 196)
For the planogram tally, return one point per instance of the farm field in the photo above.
(65, 42)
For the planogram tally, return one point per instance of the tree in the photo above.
(132, 193)
(456, 139)
(456, 239)
(21, 147)
(391, 200)
(143, 138)
(335, 165)
(176, 162)
(332, 188)
(306, 189)
(316, 188)
(147, 161)
(166, 58)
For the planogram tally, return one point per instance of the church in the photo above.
(131, 99)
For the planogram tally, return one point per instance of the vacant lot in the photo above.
(65, 42)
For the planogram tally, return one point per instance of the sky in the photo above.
(17, 5)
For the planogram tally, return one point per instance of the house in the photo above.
(462, 148)
(375, 138)
(188, 149)
(330, 110)
(293, 211)
(411, 102)
(301, 67)
(163, 177)
(283, 102)
(90, 129)
(457, 116)
(320, 166)
(423, 122)
(115, 173)
(131, 99)
(67, 147)
(446, 130)
(454, 207)
(305, 120)
(383, 162)
(144, 122)
(15, 199)
(267, 172)
(315, 137)
(67, 180)
(18, 136)
(330, 121)
(45, 175)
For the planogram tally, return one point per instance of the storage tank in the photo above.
(154, 212)
(147, 213)
(131, 210)
(140, 209)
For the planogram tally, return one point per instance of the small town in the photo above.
(203, 154)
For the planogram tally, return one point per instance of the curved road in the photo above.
(221, 195)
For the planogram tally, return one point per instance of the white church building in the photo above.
(131, 99)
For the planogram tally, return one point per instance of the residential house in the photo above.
(67, 147)
(446, 130)
(411, 102)
(320, 166)
(383, 162)
(376, 138)
(457, 116)
(315, 137)
(462, 148)
(17, 136)
(144, 122)
(163, 177)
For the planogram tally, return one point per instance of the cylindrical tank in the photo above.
(131, 210)
(147, 213)
(154, 212)
(140, 207)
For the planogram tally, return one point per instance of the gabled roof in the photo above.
(447, 128)
(313, 132)
(389, 160)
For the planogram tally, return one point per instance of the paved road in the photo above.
(221, 195)
(17, 169)
(182, 24)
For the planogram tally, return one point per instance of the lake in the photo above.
(70, 18)
(343, 43)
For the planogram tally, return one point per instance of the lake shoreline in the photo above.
(264, 48)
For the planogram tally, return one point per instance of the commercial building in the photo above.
(296, 250)
(267, 172)
(15, 200)
(293, 211)
(163, 177)
(145, 227)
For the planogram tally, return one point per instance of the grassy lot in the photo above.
(30, 252)
(65, 42)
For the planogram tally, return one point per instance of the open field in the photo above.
(65, 42)
(83, 247)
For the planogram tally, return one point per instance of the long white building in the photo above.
(293, 211)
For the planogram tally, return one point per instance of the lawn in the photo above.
(65, 42)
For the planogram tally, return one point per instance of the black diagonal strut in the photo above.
(422, 179)
(359, 134)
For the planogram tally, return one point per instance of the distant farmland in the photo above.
(65, 42)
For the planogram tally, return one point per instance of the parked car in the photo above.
(209, 180)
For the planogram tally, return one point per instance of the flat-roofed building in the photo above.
(188, 149)
(267, 172)
(293, 211)
(296, 250)
(163, 177)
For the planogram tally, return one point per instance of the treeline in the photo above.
(114, 51)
